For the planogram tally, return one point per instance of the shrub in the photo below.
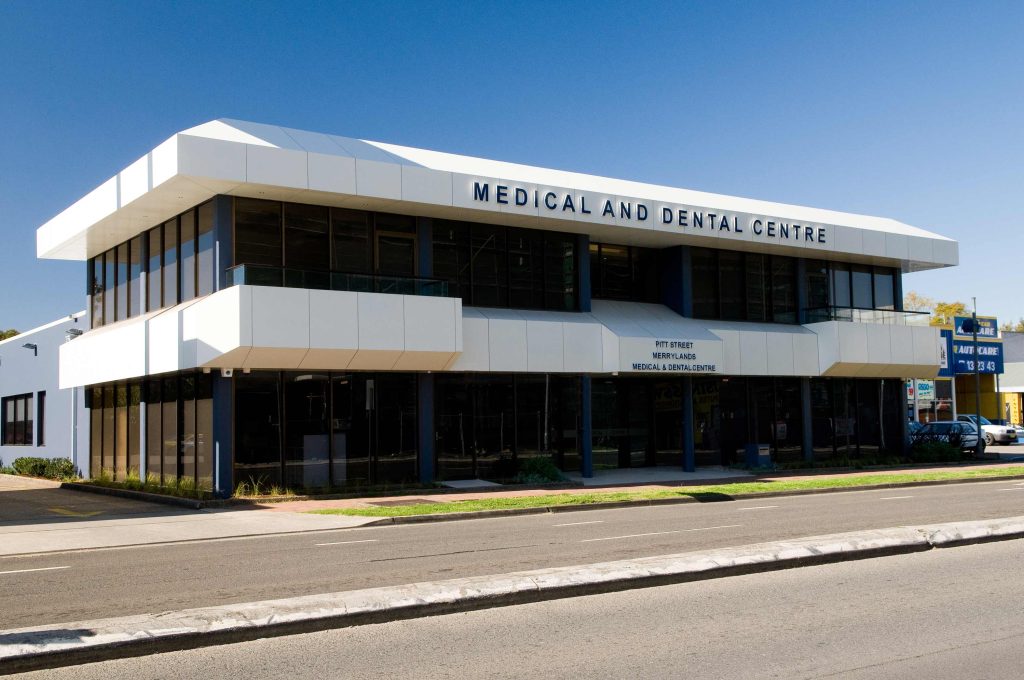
(935, 451)
(51, 468)
(538, 470)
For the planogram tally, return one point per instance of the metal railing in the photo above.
(864, 315)
(288, 277)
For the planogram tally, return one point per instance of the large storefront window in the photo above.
(320, 430)
(637, 422)
(174, 441)
(486, 425)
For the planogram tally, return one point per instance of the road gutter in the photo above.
(80, 642)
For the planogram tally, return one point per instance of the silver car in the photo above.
(1000, 434)
(950, 430)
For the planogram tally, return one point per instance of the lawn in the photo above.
(716, 492)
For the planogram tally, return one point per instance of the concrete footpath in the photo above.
(85, 641)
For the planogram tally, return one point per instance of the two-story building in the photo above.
(318, 311)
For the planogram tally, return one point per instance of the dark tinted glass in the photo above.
(351, 241)
(560, 272)
(489, 266)
(451, 257)
(188, 255)
(862, 287)
(170, 264)
(525, 268)
(96, 289)
(135, 292)
(885, 293)
(306, 237)
(122, 281)
(757, 290)
(110, 286)
(731, 284)
(817, 283)
(841, 296)
(705, 283)
(154, 275)
(783, 289)
(257, 232)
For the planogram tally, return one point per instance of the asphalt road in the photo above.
(942, 615)
(71, 586)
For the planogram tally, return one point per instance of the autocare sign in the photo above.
(988, 360)
(988, 328)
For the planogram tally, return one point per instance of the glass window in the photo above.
(885, 291)
(257, 429)
(451, 257)
(862, 287)
(399, 223)
(841, 295)
(731, 284)
(169, 429)
(257, 232)
(560, 272)
(95, 399)
(757, 291)
(525, 268)
(135, 293)
(705, 283)
(109, 429)
(206, 277)
(122, 282)
(204, 431)
(170, 264)
(615, 273)
(154, 438)
(120, 431)
(17, 423)
(306, 237)
(154, 273)
(96, 289)
(489, 266)
(783, 289)
(394, 402)
(307, 446)
(350, 429)
(817, 286)
(41, 419)
(134, 427)
(646, 272)
(187, 465)
(351, 241)
(110, 286)
(187, 231)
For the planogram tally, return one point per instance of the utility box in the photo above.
(758, 455)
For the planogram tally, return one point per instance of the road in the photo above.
(942, 615)
(74, 586)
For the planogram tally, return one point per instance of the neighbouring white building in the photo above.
(319, 311)
(37, 418)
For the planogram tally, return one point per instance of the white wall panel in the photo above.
(164, 339)
(164, 161)
(211, 158)
(378, 179)
(901, 345)
(276, 167)
(334, 174)
(423, 185)
(805, 355)
(753, 353)
(780, 353)
(897, 247)
(874, 242)
(544, 346)
(582, 348)
(134, 181)
(508, 345)
(853, 343)
(475, 343)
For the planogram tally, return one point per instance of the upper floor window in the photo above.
(862, 287)
(624, 273)
(737, 286)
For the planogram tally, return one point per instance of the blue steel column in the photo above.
(223, 460)
(586, 429)
(223, 229)
(689, 456)
(807, 440)
(425, 414)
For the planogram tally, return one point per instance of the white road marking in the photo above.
(658, 533)
(365, 540)
(893, 498)
(576, 524)
(24, 571)
(760, 507)
(1014, 488)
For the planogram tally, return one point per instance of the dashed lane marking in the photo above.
(576, 524)
(365, 540)
(760, 507)
(659, 533)
(25, 571)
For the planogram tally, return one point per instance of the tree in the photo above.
(1012, 327)
(942, 312)
(9, 333)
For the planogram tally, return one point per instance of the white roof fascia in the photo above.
(257, 160)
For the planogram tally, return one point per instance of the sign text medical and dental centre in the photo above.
(563, 203)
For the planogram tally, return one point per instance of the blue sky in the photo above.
(908, 110)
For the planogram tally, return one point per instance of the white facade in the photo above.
(27, 370)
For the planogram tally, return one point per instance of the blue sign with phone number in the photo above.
(989, 359)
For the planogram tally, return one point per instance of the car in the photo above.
(1020, 432)
(993, 433)
(959, 432)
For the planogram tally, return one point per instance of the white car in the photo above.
(963, 432)
(993, 433)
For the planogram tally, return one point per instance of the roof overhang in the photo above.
(264, 161)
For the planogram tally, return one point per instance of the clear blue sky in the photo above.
(913, 111)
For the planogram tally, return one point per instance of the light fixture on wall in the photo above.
(72, 333)
(32, 346)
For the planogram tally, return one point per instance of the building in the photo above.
(1012, 387)
(310, 310)
(37, 418)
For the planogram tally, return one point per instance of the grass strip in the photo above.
(707, 493)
